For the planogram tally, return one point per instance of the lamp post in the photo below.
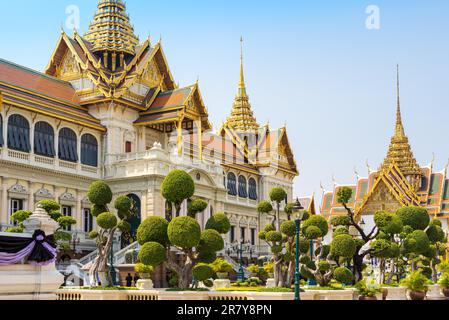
(298, 210)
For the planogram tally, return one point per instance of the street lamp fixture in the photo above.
(298, 210)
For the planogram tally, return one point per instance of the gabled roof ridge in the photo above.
(38, 73)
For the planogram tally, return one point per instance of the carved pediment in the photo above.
(67, 197)
(18, 188)
(44, 193)
(69, 67)
(151, 76)
(381, 198)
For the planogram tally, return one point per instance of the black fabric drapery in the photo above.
(253, 189)
(243, 192)
(232, 184)
(44, 140)
(89, 150)
(1, 131)
(39, 249)
(19, 133)
(68, 146)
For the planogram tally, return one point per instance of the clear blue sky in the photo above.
(311, 64)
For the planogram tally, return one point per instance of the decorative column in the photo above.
(200, 138)
(4, 203)
(30, 196)
(78, 212)
(179, 140)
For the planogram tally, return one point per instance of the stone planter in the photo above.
(144, 284)
(104, 279)
(397, 293)
(363, 298)
(221, 284)
(222, 275)
(435, 293)
(271, 283)
(27, 282)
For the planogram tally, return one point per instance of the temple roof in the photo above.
(242, 117)
(111, 29)
(400, 151)
(36, 92)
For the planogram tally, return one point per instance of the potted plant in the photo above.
(269, 268)
(368, 290)
(417, 285)
(144, 271)
(444, 284)
(222, 268)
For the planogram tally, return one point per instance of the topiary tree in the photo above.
(184, 234)
(100, 195)
(278, 195)
(265, 207)
(415, 217)
(52, 208)
(196, 206)
(177, 187)
(343, 275)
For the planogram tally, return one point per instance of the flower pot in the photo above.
(365, 298)
(417, 296)
(446, 292)
(222, 275)
(145, 276)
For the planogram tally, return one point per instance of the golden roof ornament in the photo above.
(242, 117)
(399, 151)
(111, 29)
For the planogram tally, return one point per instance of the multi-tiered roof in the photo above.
(111, 29)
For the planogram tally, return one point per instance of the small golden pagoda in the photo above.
(400, 181)
(242, 118)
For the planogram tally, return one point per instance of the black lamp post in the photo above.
(298, 209)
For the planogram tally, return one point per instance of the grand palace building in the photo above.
(399, 181)
(107, 107)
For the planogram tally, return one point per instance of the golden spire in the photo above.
(111, 29)
(399, 152)
(242, 117)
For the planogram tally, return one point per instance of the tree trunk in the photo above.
(278, 218)
(382, 271)
(392, 271)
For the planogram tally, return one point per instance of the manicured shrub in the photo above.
(304, 245)
(276, 249)
(196, 206)
(202, 272)
(184, 232)
(207, 256)
(50, 205)
(416, 217)
(313, 233)
(278, 195)
(20, 216)
(288, 228)
(264, 207)
(340, 221)
(143, 269)
(269, 227)
(107, 221)
(274, 236)
(123, 205)
(343, 246)
(436, 234)
(417, 242)
(211, 240)
(98, 209)
(99, 193)
(153, 229)
(152, 254)
(324, 266)
(124, 226)
(340, 230)
(436, 222)
(387, 222)
(344, 195)
(262, 235)
(219, 222)
(317, 221)
(220, 265)
(343, 275)
(93, 234)
(326, 250)
(177, 186)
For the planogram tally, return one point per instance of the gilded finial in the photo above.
(399, 126)
(242, 86)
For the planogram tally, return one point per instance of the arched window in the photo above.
(243, 187)
(19, 133)
(68, 146)
(232, 184)
(1, 131)
(89, 150)
(253, 189)
(44, 140)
